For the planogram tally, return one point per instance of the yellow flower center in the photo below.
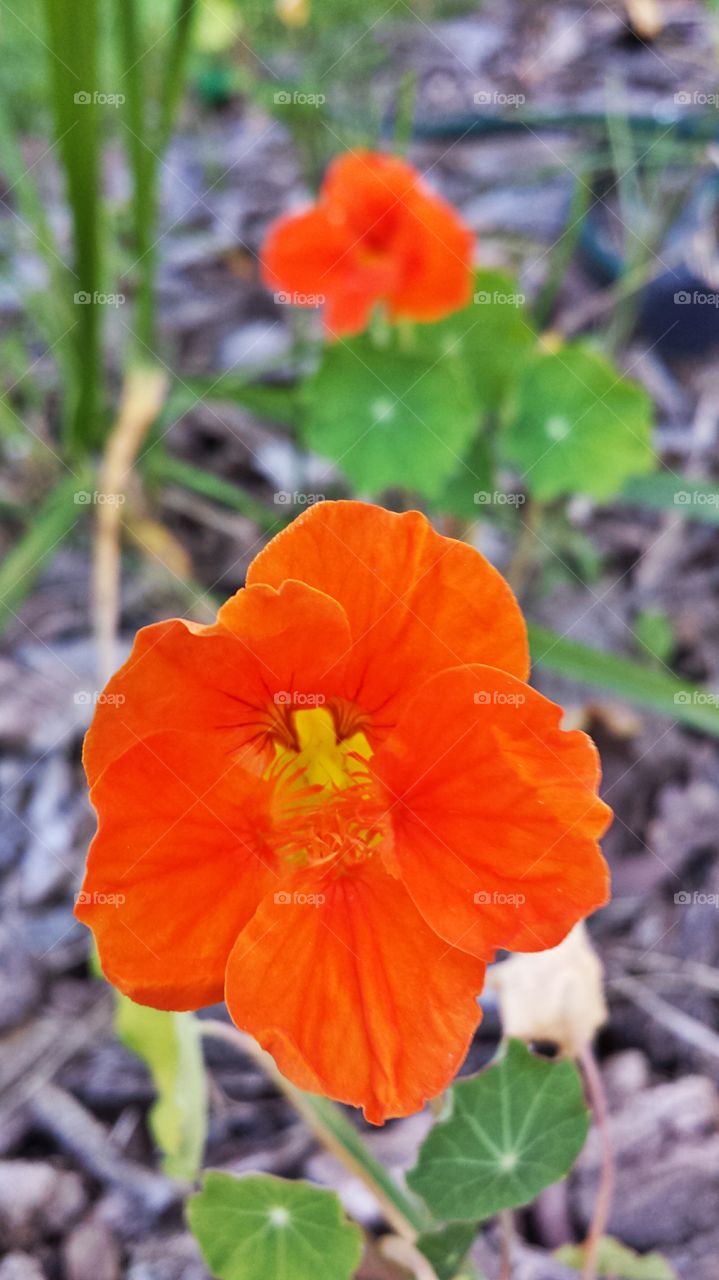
(326, 806)
(321, 760)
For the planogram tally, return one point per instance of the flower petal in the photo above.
(181, 675)
(417, 602)
(354, 997)
(177, 868)
(303, 252)
(435, 249)
(495, 813)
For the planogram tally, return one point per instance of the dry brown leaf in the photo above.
(555, 995)
(645, 18)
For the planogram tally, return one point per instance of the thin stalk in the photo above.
(564, 251)
(603, 1203)
(521, 565)
(334, 1131)
(506, 1227)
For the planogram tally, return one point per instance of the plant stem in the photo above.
(334, 1131)
(506, 1226)
(523, 559)
(603, 1203)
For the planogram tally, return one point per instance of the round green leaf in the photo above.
(492, 335)
(577, 424)
(512, 1130)
(388, 418)
(255, 1227)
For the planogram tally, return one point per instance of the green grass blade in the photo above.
(143, 164)
(653, 690)
(73, 36)
(175, 70)
(51, 309)
(160, 467)
(275, 402)
(57, 516)
(150, 118)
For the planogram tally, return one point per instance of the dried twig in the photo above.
(603, 1202)
(143, 397)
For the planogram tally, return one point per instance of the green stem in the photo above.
(335, 1132)
(521, 565)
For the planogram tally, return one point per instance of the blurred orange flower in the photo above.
(376, 234)
(333, 805)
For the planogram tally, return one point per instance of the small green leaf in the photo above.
(254, 1228)
(447, 1248)
(619, 1262)
(170, 1046)
(577, 424)
(493, 335)
(512, 1130)
(387, 418)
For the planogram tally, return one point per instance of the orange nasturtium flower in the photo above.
(332, 806)
(376, 234)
